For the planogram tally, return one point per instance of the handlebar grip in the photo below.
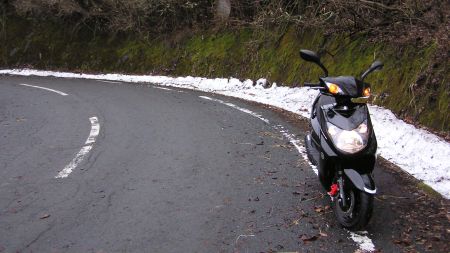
(312, 84)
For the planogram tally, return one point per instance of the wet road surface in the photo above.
(173, 171)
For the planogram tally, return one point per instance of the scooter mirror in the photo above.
(376, 65)
(309, 55)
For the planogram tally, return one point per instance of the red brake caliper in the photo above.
(334, 190)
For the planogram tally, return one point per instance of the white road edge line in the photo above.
(95, 130)
(364, 243)
(43, 88)
(237, 108)
(168, 89)
(297, 144)
(161, 88)
(106, 81)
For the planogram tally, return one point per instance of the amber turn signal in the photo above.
(366, 92)
(333, 88)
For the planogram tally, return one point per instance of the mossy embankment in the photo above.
(412, 84)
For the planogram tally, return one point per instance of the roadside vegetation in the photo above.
(245, 39)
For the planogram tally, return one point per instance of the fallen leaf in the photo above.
(436, 238)
(279, 247)
(403, 242)
(318, 209)
(323, 234)
(227, 200)
(44, 216)
(306, 238)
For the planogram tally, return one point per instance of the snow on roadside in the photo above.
(416, 151)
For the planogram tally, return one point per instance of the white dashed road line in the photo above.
(361, 238)
(43, 88)
(79, 157)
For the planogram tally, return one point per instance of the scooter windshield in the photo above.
(346, 119)
(348, 85)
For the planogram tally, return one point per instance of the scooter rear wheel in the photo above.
(358, 210)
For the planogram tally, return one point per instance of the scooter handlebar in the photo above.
(312, 84)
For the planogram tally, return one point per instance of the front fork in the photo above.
(337, 188)
(340, 182)
(362, 182)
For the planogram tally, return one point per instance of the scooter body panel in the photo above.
(363, 182)
(322, 150)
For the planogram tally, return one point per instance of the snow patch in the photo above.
(417, 151)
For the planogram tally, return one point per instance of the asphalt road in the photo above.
(171, 171)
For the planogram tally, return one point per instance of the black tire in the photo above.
(359, 209)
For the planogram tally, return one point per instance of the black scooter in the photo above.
(342, 143)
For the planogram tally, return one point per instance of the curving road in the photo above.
(164, 170)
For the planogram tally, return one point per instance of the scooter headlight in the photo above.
(349, 141)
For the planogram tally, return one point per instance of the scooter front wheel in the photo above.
(357, 210)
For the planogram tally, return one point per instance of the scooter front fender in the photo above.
(362, 182)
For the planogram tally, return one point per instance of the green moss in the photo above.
(427, 189)
(242, 53)
(212, 54)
